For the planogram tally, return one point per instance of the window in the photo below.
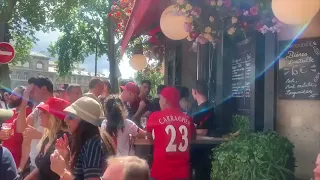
(25, 75)
(39, 65)
(18, 75)
(26, 65)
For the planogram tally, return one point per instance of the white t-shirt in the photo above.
(34, 151)
(124, 148)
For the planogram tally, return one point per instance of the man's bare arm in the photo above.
(22, 120)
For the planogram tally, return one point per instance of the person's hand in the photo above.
(27, 91)
(142, 104)
(30, 133)
(4, 135)
(58, 164)
(62, 146)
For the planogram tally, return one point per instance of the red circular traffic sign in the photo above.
(7, 53)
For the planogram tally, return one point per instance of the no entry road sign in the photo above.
(7, 53)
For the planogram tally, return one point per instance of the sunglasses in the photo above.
(71, 117)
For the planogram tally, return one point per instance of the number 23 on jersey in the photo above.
(175, 144)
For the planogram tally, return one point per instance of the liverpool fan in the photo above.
(40, 89)
(96, 86)
(90, 146)
(74, 92)
(126, 168)
(11, 139)
(172, 131)
(52, 119)
(130, 95)
(119, 127)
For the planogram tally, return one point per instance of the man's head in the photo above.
(15, 98)
(96, 86)
(42, 88)
(169, 98)
(126, 168)
(74, 92)
(145, 88)
(200, 90)
(129, 92)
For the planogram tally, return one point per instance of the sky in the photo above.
(103, 65)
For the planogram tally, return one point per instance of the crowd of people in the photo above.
(66, 134)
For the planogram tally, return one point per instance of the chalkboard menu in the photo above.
(299, 69)
(241, 68)
(241, 73)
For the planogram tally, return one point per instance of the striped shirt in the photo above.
(91, 160)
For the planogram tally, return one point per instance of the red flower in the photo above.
(254, 10)
(109, 14)
(128, 11)
(118, 14)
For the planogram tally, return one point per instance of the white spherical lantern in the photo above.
(295, 11)
(173, 26)
(138, 62)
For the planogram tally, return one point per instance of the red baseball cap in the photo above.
(55, 106)
(132, 87)
(172, 95)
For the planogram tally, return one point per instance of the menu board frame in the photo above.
(299, 69)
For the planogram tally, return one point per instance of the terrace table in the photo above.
(199, 140)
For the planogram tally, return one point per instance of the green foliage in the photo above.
(240, 123)
(254, 156)
(151, 74)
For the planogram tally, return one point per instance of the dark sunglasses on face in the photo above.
(71, 117)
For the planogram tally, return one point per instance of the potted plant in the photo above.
(254, 156)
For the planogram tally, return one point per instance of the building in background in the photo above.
(40, 64)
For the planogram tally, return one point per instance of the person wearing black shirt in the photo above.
(203, 117)
(155, 106)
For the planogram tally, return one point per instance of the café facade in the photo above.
(273, 78)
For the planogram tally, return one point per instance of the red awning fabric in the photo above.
(144, 14)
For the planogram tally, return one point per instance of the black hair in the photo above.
(115, 113)
(184, 92)
(159, 88)
(201, 87)
(147, 82)
(42, 81)
(108, 84)
(94, 82)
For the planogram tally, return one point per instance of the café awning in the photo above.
(144, 14)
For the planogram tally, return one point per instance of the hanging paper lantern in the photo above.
(173, 26)
(163, 70)
(295, 11)
(138, 60)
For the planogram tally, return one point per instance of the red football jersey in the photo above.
(171, 130)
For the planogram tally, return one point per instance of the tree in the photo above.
(23, 18)
(86, 32)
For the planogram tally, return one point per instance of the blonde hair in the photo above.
(134, 168)
(55, 125)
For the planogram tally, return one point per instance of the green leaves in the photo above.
(85, 29)
(254, 156)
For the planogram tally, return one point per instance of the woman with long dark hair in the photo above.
(118, 126)
(90, 146)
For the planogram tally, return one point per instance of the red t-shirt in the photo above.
(171, 130)
(14, 144)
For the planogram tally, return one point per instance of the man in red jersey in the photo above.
(172, 131)
(13, 140)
